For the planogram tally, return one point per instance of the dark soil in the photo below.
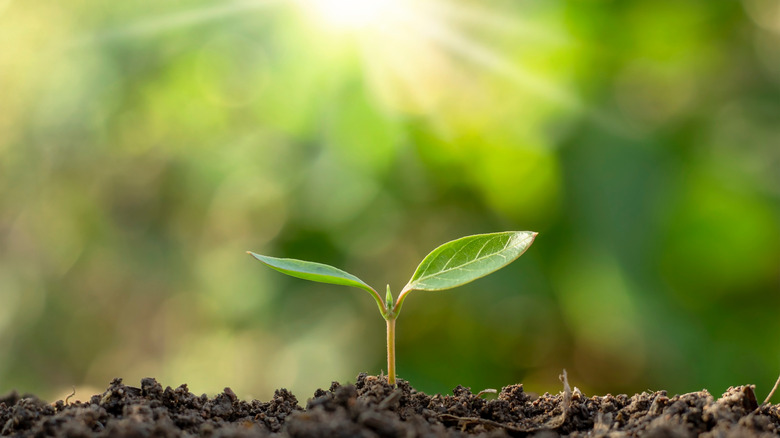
(372, 408)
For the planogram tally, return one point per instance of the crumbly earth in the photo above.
(372, 408)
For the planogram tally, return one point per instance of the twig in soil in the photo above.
(772, 392)
(71, 395)
(564, 378)
(558, 422)
(486, 391)
(390, 399)
(553, 424)
(464, 422)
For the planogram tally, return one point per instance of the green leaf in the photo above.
(317, 272)
(469, 258)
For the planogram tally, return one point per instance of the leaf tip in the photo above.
(525, 237)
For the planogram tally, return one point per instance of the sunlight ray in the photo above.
(473, 51)
(482, 18)
(395, 60)
(484, 56)
(156, 25)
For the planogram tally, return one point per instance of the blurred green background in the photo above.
(146, 145)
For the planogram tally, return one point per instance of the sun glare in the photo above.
(414, 52)
(351, 14)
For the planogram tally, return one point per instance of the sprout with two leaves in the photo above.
(450, 265)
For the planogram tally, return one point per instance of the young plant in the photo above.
(450, 265)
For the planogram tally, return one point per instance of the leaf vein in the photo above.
(424, 277)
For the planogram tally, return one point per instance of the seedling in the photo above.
(450, 265)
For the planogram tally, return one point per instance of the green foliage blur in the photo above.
(146, 145)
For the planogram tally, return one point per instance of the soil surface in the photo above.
(372, 408)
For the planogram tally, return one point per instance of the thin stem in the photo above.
(772, 392)
(400, 300)
(378, 299)
(391, 351)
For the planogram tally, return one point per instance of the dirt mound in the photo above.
(372, 408)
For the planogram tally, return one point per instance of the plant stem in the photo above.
(391, 351)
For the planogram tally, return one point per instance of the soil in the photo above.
(373, 408)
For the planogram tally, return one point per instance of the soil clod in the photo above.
(372, 408)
